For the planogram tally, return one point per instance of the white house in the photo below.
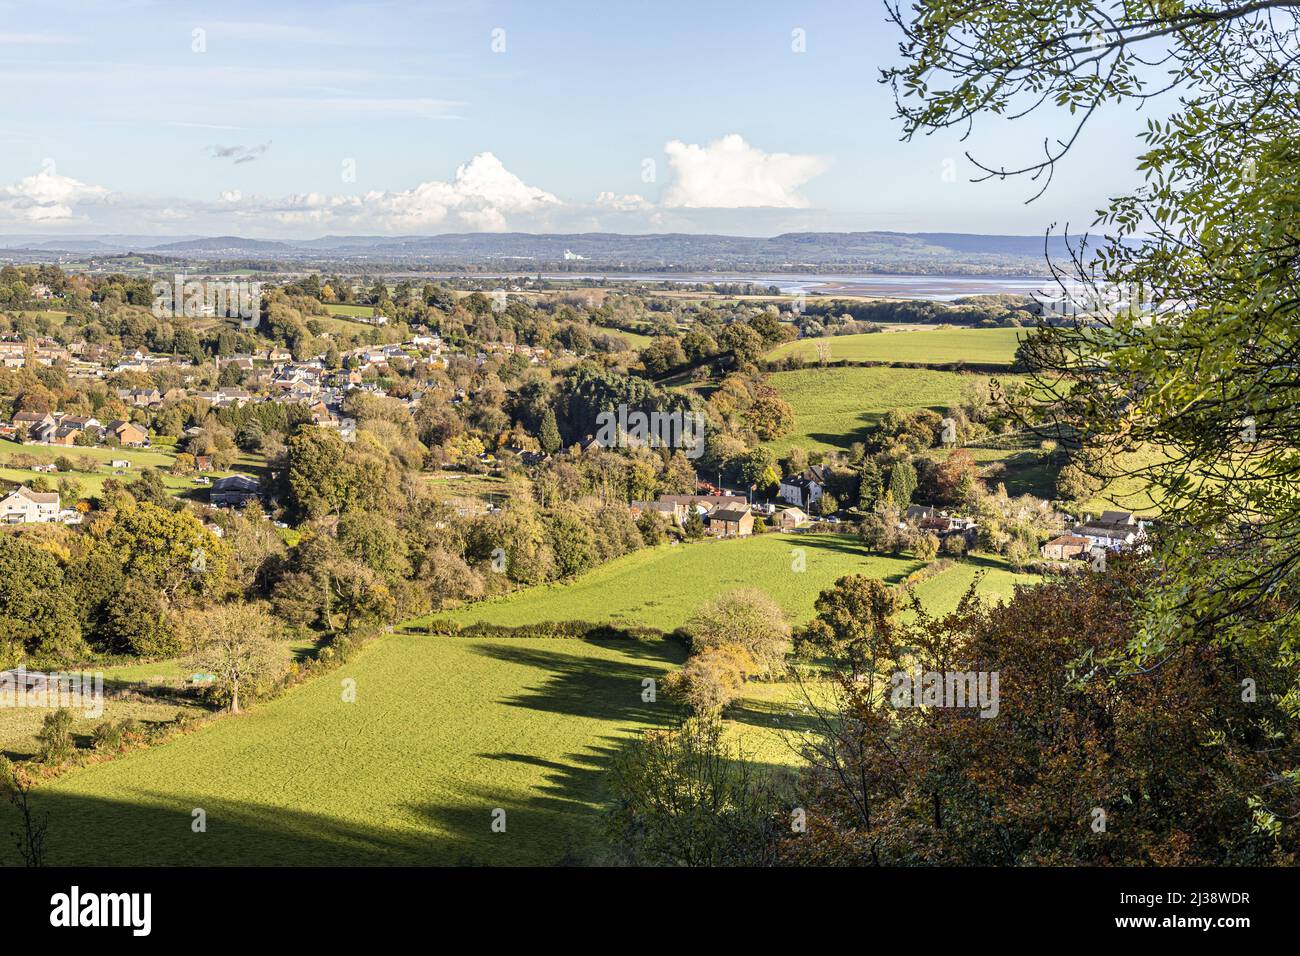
(803, 490)
(25, 506)
(1114, 530)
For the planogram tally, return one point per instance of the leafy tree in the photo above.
(137, 624)
(745, 345)
(170, 552)
(747, 618)
(55, 737)
(684, 799)
(851, 623)
(1076, 485)
(770, 416)
(319, 477)
(1175, 332)
(942, 785)
(711, 679)
(572, 541)
(237, 644)
(871, 485)
(902, 484)
(37, 613)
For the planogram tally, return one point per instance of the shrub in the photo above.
(56, 737)
(107, 737)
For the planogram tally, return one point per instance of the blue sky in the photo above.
(305, 119)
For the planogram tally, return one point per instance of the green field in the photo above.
(158, 457)
(661, 587)
(929, 346)
(442, 732)
(351, 311)
(834, 407)
(445, 730)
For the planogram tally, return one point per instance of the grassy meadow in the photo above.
(445, 730)
(661, 587)
(442, 732)
(159, 457)
(834, 407)
(937, 346)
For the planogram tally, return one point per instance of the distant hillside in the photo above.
(885, 253)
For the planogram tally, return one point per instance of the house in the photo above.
(127, 434)
(918, 513)
(140, 397)
(1113, 530)
(25, 506)
(27, 424)
(791, 518)
(804, 489)
(1066, 547)
(730, 522)
(120, 463)
(235, 491)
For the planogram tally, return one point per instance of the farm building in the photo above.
(791, 518)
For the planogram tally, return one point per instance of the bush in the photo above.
(711, 679)
(107, 737)
(56, 737)
(746, 617)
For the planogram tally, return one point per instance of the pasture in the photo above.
(937, 346)
(443, 731)
(834, 407)
(160, 457)
(661, 587)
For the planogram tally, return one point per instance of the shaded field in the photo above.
(443, 732)
(928, 347)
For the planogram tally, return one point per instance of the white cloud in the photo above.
(47, 197)
(481, 196)
(631, 202)
(730, 174)
(483, 193)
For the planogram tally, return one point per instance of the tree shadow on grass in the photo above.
(580, 685)
(772, 715)
(559, 822)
